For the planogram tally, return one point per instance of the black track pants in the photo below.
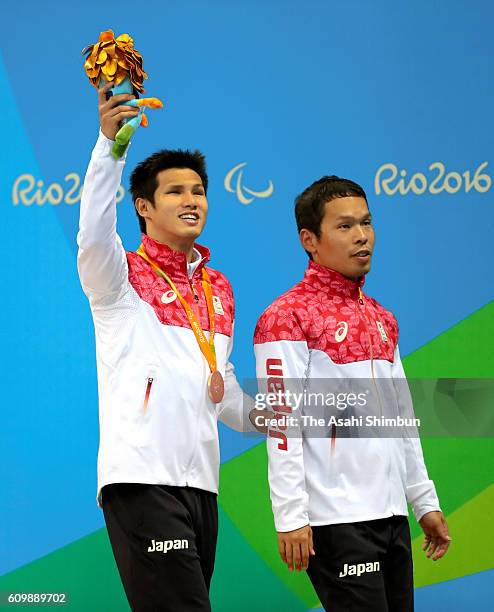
(164, 542)
(363, 567)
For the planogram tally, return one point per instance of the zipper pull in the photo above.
(360, 297)
(148, 392)
(196, 297)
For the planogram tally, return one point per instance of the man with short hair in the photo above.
(339, 500)
(164, 332)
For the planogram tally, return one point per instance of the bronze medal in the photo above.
(216, 387)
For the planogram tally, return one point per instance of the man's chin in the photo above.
(362, 267)
(192, 233)
(358, 271)
(364, 270)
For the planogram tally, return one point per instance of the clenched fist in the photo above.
(111, 112)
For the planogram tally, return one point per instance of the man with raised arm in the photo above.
(340, 501)
(164, 329)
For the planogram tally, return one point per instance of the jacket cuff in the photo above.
(102, 149)
(286, 519)
(423, 498)
(283, 528)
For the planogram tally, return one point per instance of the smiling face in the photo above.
(346, 239)
(180, 208)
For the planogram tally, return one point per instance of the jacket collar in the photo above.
(326, 277)
(174, 263)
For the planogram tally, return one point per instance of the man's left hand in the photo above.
(437, 540)
(260, 419)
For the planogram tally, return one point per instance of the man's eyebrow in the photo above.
(352, 218)
(181, 185)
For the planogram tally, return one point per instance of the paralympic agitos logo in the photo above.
(234, 184)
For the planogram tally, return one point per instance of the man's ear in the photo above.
(142, 206)
(308, 240)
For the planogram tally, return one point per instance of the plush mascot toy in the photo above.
(115, 59)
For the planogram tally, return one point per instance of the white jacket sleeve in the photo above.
(281, 365)
(101, 259)
(236, 405)
(420, 490)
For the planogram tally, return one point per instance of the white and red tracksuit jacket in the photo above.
(326, 327)
(157, 423)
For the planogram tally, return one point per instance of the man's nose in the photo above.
(360, 235)
(188, 199)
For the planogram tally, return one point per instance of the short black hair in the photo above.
(309, 205)
(144, 177)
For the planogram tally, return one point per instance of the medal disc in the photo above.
(216, 387)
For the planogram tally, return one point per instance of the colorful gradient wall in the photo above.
(397, 96)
